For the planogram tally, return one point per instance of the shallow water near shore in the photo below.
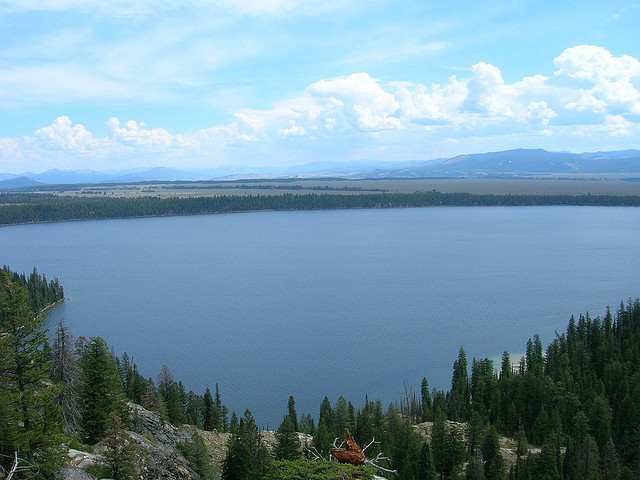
(315, 303)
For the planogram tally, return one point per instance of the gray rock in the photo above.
(73, 473)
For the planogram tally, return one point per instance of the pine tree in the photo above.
(325, 433)
(287, 444)
(293, 415)
(101, 392)
(65, 371)
(120, 454)
(172, 395)
(459, 397)
(448, 448)
(30, 419)
(196, 453)
(425, 401)
(247, 455)
(493, 461)
(426, 468)
(209, 410)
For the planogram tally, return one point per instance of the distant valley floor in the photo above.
(559, 184)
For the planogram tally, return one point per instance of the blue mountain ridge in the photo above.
(519, 162)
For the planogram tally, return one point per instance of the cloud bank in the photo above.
(590, 101)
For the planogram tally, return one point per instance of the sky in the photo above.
(194, 84)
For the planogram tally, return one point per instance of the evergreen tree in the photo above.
(65, 371)
(220, 413)
(101, 390)
(234, 424)
(448, 448)
(425, 401)
(459, 396)
(151, 400)
(426, 469)
(342, 418)
(325, 433)
(582, 456)
(493, 461)
(236, 463)
(209, 410)
(120, 456)
(545, 464)
(293, 415)
(30, 419)
(172, 395)
(247, 455)
(609, 462)
(196, 453)
(287, 444)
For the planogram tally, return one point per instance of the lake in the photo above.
(315, 303)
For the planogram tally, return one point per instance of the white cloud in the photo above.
(593, 97)
(606, 84)
(364, 103)
(540, 112)
(62, 135)
(487, 92)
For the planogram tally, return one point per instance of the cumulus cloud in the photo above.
(607, 84)
(62, 135)
(593, 95)
(362, 100)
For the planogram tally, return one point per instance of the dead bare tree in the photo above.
(19, 465)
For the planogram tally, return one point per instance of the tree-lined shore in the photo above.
(571, 410)
(21, 208)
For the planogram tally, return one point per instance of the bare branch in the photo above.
(314, 451)
(382, 469)
(15, 465)
(19, 465)
(370, 443)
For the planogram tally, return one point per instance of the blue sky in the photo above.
(89, 84)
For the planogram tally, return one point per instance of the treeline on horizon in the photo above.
(577, 401)
(19, 208)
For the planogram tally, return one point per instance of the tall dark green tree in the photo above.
(30, 418)
(425, 401)
(172, 395)
(247, 456)
(448, 448)
(425, 467)
(493, 461)
(325, 433)
(209, 411)
(287, 445)
(459, 396)
(196, 453)
(101, 389)
(291, 412)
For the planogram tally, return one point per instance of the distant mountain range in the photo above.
(509, 163)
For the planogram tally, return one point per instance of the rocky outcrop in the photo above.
(160, 456)
(157, 440)
(74, 473)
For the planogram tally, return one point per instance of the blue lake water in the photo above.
(315, 303)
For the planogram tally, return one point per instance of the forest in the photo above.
(572, 409)
(19, 208)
